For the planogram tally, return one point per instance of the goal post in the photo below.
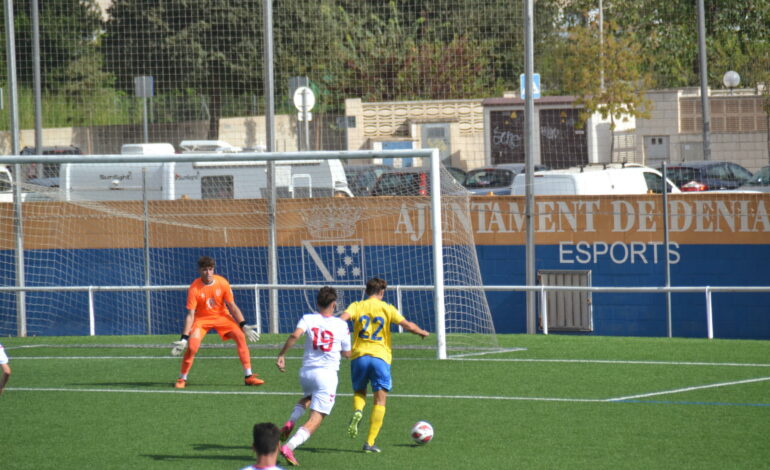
(141, 222)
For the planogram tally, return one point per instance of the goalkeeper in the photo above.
(210, 305)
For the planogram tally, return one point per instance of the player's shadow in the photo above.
(247, 457)
(327, 450)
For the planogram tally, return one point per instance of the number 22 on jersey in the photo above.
(371, 328)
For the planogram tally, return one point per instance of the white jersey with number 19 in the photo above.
(325, 338)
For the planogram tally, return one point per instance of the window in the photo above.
(217, 187)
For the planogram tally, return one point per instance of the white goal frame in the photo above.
(435, 204)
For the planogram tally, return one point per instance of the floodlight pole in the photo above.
(272, 251)
(37, 82)
(529, 142)
(704, 86)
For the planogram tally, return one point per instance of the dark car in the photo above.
(403, 182)
(361, 178)
(458, 174)
(49, 170)
(496, 180)
(707, 175)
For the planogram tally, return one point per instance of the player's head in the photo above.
(206, 262)
(326, 296)
(375, 285)
(266, 438)
(206, 268)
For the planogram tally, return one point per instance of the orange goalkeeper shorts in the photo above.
(223, 326)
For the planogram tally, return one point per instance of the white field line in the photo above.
(690, 389)
(215, 392)
(484, 353)
(559, 361)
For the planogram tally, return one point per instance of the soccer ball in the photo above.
(422, 432)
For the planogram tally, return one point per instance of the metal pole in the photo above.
(666, 261)
(147, 298)
(146, 126)
(37, 83)
(306, 122)
(438, 254)
(704, 86)
(13, 111)
(601, 44)
(529, 141)
(272, 255)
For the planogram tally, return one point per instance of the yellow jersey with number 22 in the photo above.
(372, 319)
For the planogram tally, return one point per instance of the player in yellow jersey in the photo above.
(372, 354)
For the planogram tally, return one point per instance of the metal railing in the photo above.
(541, 289)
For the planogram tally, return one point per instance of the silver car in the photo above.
(759, 183)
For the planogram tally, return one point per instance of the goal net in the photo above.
(112, 250)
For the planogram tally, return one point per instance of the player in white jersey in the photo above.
(7, 369)
(327, 339)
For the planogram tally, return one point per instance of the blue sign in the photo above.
(535, 85)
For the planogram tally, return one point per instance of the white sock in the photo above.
(298, 438)
(247, 372)
(183, 376)
(297, 413)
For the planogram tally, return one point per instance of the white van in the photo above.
(593, 180)
(201, 180)
(147, 149)
(207, 146)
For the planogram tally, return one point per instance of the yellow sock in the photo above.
(359, 401)
(375, 423)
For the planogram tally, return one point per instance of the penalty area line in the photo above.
(688, 389)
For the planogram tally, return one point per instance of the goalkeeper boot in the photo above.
(371, 449)
(353, 426)
(286, 430)
(180, 383)
(251, 380)
(288, 454)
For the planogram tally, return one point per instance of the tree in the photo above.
(69, 39)
(209, 46)
(620, 60)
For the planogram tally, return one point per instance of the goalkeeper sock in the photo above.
(298, 438)
(297, 413)
(359, 401)
(375, 423)
(247, 371)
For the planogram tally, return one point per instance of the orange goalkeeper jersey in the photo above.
(208, 301)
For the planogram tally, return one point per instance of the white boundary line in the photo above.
(456, 358)
(689, 389)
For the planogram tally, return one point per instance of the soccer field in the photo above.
(547, 402)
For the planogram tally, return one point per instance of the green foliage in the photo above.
(617, 61)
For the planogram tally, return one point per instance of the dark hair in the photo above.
(266, 436)
(375, 285)
(326, 295)
(206, 262)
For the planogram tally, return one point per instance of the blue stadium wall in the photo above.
(738, 255)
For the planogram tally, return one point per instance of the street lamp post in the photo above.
(731, 79)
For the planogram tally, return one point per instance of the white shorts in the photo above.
(320, 384)
(3, 356)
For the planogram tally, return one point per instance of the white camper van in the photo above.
(595, 180)
(200, 180)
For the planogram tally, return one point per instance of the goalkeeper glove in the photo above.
(251, 332)
(179, 346)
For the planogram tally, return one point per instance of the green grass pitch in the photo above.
(556, 402)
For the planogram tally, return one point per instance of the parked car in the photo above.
(403, 182)
(707, 175)
(593, 180)
(361, 178)
(49, 170)
(496, 179)
(458, 174)
(759, 183)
